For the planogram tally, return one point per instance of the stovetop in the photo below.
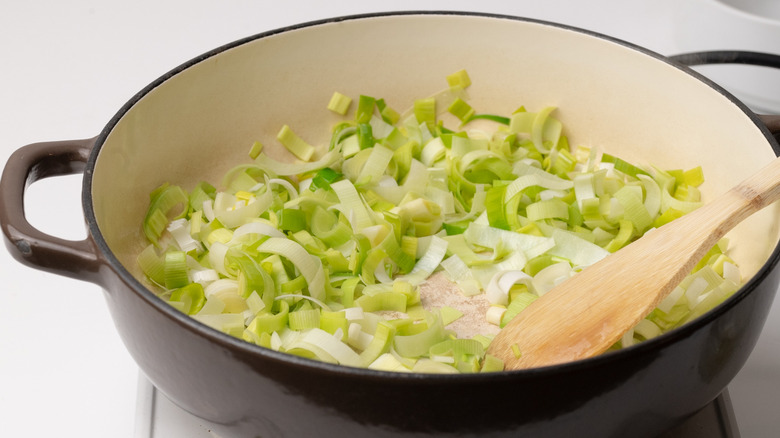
(158, 417)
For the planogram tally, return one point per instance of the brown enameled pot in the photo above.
(198, 120)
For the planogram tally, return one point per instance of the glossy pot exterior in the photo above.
(245, 394)
(241, 390)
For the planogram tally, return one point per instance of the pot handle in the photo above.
(761, 59)
(32, 247)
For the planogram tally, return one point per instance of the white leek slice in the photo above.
(489, 237)
(376, 165)
(180, 230)
(335, 348)
(230, 323)
(260, 228)
(577, 250)
(652, 195)
(497, 291)
(231, 213)
(545, 180)
(276, 167)
(428, 263)
(433, 151)
(551, 276)
(309, 265)
(352, 205)
(388, 362)
(461, 275)
(216, 257)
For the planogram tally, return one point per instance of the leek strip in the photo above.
(289, 187)
(376, 165)
(388, 362)
(324, 178)
(233, 214)
(634, 209)
(550, 209)
(380, 343)
(259, 228)
(497, 291)
(365, 109)
(230, 323)
(549, 277)
(365, 136)
(461, 109)
(428, 262)
(175, 271)
(353, 205)
(419, 344)
(202, 192)
(536, 179)
(496, 211)
(164, 200)
(304, 297)
(461, 275)
(623, 166)
(339, 103)
(192, 296)
(494, 118)
(514, 262)
(449, 315)
(383, 131)
(693, 177)
(652, 195)
(317, 339)
(425, 110)
(492, 364)
(577, 250)
(152, 265)
(309, 265)
(349, 288)
(268, 323)
(433, 151)
(331, 322)
(545, 128)
(295, 144)
(269, 164)
(391, 301)
(304, 319)
(459, 79)
(489, 237)
(518, 304)
(624, 236)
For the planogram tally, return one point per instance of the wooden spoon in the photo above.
(588, 313)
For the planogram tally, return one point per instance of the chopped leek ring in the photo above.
(255, 150)
(164, 199)
(459, 79)
(192, 296)
(339, 103)
(295, 144)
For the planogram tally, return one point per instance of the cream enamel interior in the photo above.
(202, 121)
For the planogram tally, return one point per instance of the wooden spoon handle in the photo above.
(589, 312)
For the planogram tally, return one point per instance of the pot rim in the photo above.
(232, 342)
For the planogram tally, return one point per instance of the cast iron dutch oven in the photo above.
(198, 120)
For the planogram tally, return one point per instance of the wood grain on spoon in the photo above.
(588, 313)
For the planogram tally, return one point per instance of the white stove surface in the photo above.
(68, 66)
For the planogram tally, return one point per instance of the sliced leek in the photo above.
(326, 257)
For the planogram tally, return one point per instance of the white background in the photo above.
(67, 66)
